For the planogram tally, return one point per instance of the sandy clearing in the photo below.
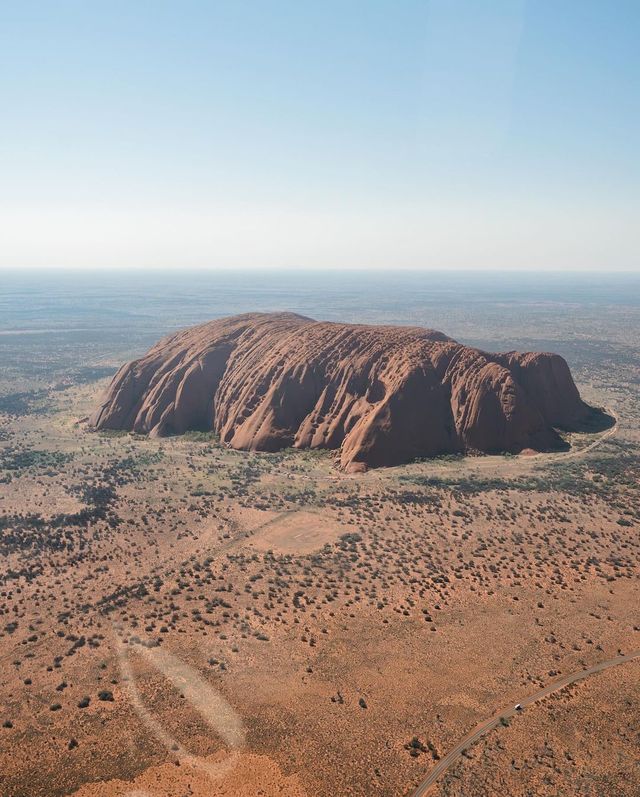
(251, 775)
(299, 532)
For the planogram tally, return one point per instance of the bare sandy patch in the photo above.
(295, 533)
(248, 776)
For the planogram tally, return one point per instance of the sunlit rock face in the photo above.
(377, 395)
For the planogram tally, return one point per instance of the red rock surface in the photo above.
(380, 395)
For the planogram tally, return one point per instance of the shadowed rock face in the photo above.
(380, 395)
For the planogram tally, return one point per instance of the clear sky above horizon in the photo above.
(435, 134)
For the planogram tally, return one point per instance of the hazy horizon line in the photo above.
(302, 270)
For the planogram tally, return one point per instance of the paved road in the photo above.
(445, 763)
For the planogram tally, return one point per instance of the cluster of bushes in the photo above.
(65, 530)
(24, 403)
(16, 459)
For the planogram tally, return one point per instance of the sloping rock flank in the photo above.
(379, 395)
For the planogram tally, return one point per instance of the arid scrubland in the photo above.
(178, 618)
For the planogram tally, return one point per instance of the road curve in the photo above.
(573, 453)
(445, 763)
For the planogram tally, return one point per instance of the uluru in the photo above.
(377, 395)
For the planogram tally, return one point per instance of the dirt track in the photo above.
(445, 763)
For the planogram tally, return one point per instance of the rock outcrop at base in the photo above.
(379, 395)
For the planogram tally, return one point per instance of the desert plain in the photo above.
(178, 618)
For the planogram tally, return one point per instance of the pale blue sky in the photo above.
(351, 134)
